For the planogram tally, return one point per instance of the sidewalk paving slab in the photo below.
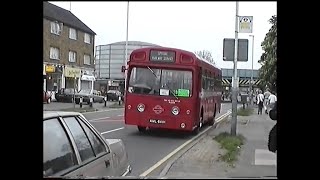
(202, 160)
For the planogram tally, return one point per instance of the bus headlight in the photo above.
(175, 110)
(140, 107)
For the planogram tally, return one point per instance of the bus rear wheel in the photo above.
(211, 121)
(142, 129)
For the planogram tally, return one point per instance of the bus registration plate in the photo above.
(157, 121)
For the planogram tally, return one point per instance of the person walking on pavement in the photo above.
(266, 101)
(260, 99)
(272, 100)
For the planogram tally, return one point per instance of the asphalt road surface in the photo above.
(144, 150)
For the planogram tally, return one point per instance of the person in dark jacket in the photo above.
(272, 142)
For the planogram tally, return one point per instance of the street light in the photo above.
(251, 85)
(126, 55)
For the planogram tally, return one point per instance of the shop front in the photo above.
(87, 82)
(52, 78)
(72, 78)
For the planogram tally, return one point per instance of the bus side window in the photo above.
(207, 80)
(203, 80)
(210, 81)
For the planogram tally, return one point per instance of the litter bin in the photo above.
(244, 99)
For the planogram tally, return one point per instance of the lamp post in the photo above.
(126, 55)
(235, 79)
(251, 85)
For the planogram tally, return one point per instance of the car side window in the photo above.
(97, 145)
(82, 141)
(58, 154)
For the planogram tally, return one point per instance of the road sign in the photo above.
(245, 25)
(228, 49)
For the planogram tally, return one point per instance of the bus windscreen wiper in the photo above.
(167, 86)
(152, 72)
(172, 92)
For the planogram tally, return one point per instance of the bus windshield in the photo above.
(160, 82)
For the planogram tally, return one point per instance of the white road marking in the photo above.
(120, 115)
(111, 120)
(112, 130)
(147, 172)
(103, 111)
(98, 119)
(265, 157)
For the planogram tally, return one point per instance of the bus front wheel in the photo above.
(142, 129)
(197, 129)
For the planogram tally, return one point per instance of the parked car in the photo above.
(86, 94)
(65, 95)
(72, 147)
(46, 97)
(113, 95)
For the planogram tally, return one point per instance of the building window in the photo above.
(72, 33)
(87, 38)
(72, 56)
(54, 53)
(56, 28)
(86, 59)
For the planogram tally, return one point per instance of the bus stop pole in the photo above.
(74, 92)
(235, 83)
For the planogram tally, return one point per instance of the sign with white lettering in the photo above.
(162, 56)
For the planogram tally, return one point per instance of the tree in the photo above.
(206, 55)
(268, 60)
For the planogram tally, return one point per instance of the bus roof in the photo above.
(199, 60)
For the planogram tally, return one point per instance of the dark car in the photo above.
(72, 147)
(65, 95)
(113, 95)
(86, 94)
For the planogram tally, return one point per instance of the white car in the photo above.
(72, 147)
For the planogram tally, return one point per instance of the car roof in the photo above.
(52, 114)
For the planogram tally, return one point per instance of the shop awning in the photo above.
(88, 78)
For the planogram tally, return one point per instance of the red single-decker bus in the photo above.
(169, 88)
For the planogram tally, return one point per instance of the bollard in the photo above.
(81, 101)
(91, 102)
(105, 101)
(119, 98)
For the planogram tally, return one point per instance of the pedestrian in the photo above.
(272, 100)
(266, 100)
(260, 99)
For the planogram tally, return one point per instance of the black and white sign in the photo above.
(157, 121)
(162, 56)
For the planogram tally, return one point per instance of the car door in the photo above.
(95, 156)
(59, 156)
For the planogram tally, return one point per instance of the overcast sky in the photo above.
(190, 26)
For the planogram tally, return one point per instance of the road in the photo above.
(144, 150)
(55, 106)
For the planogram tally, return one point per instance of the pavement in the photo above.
(254, 161)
